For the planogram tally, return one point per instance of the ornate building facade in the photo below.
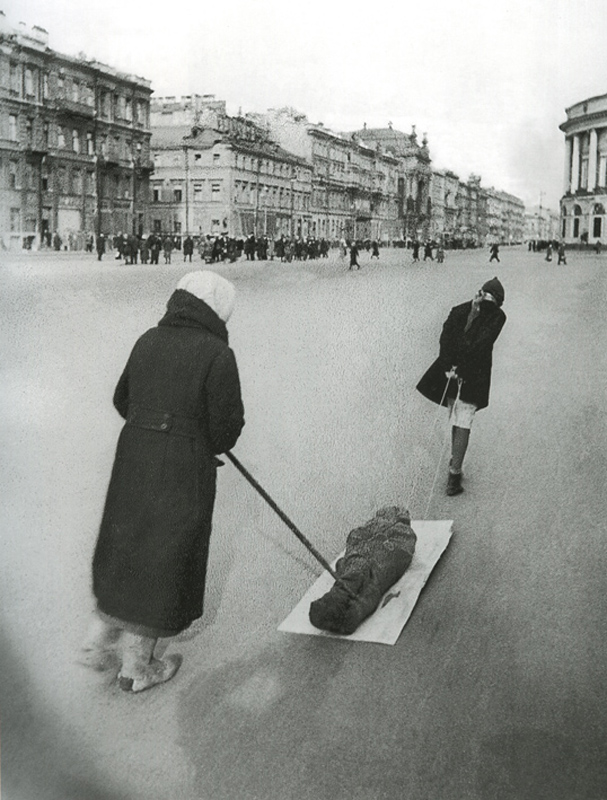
(372, 183)
(583, 216)
(214, 174)
(74, 144)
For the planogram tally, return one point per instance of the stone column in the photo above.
(575, 164)
(567, 176)
(592, 159)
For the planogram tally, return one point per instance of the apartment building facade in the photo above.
(74, 144)
(215, 173)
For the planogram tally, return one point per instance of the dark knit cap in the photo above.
(495, 288)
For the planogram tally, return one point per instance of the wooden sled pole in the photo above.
(307, 544)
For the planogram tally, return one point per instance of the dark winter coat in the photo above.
(180, 396)
(470, 352)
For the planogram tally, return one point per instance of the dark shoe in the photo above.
(454, 484)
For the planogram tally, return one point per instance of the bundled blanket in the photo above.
(377, 555)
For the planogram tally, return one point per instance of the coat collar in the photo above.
(185, 310)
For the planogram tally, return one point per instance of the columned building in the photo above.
(583, 216)
(74, 144)
(214, 174)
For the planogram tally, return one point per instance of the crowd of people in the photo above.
(212, 249)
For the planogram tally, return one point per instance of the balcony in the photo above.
(72, 107)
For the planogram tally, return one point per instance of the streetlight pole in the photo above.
(187, 190)
(539, 227)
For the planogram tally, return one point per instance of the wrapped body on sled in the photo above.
(377, 555)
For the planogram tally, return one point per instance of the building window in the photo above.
(90, 144)
(157, 225)
(77, 182)
(596, 227)
(44, 183)
(60, 84)
(177, 195)
(576, 227)
(61, 138)
(29, 82)
(215, 190)
(216, 156)
(29, 132)
(128, 109)
(156, 195)
(14, 79)
(13, 171)
(12, 127)
(176, 227)
(15, 219)
(198, 191)
(75, 141)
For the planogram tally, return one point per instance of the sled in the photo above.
(385, 625)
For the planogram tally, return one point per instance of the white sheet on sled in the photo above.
(386, 623)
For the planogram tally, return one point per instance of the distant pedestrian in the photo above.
(428, 251)
(416, 247)
(354, 256)
(597, 247)
(100, 247)
(440, 254)
(495, 252)
(167, 247)
(155, 246)
(561, 253)
(180, 398)
(374, 250)
(460, 378)
(549, 252)
(188, 248)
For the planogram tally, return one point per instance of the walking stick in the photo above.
(309, 546)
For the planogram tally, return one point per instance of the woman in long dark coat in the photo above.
(461, 375)
(180, 396)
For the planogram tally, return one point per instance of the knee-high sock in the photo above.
(459, 445)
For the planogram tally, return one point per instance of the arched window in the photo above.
(599, 208)
(577, 211)
(564, 211)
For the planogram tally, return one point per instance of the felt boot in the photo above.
(98, 650)
(140, 670)
(454, 483)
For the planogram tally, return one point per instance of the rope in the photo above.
(444, 447)
(307, 544)
(417, 474)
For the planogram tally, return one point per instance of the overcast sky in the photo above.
(488, 81)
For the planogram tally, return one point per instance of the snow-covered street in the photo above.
(495, 689)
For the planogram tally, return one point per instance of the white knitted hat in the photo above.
(217, 292)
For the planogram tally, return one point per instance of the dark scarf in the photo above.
(484, 307)
(186, 310)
